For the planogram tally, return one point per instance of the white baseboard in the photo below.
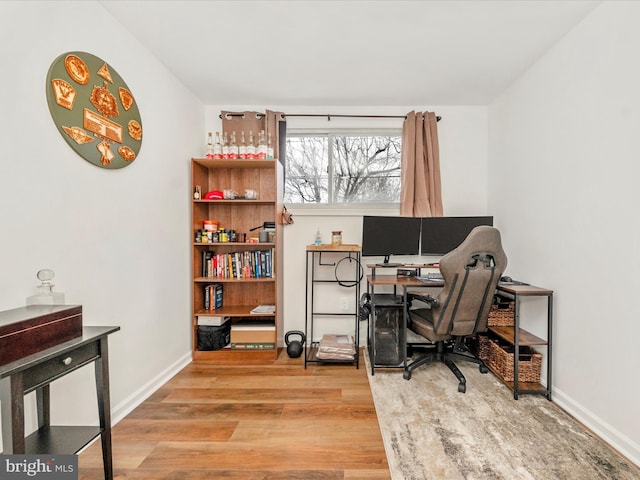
(623, 444)
(136, 398)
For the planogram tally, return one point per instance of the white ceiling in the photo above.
(352, 53)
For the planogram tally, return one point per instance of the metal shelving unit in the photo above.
(315, 263)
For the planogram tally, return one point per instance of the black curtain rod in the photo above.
(327, 115)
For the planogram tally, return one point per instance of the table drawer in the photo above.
(60, 365)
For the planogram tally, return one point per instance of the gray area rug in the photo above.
(431, 431)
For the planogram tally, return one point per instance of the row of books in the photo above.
(247, 264)
(212, 296)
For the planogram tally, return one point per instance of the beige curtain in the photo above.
(242, 122)
(420, 193)
(273, 123)
(247, 122)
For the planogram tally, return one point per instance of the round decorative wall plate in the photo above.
(94, 110)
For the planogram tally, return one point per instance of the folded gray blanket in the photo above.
(336, 347)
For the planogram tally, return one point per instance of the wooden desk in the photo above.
(34, 373)
(405, 266)
(514, 335)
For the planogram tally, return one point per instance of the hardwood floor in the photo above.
(250, 422)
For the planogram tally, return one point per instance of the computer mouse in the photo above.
(506, 279)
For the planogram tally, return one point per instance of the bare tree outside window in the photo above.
(306, 178)
(343, 168)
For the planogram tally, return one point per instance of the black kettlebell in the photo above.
(294, 348)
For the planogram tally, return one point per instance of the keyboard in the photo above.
(431, 277)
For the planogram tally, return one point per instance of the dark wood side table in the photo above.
(35, 373)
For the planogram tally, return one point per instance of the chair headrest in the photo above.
(483, 245)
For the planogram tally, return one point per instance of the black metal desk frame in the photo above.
(514, 291)
(394, 281)
(35, 373)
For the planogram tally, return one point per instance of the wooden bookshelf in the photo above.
(245, 290)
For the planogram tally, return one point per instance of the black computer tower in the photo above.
(388, 347)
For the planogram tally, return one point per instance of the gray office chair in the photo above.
(460, 310)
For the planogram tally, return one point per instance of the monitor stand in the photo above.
(386, 263)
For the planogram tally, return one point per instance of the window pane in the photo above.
(366, 169)
(359, 168)
(307, 178)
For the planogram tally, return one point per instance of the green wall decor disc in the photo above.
(94, 110)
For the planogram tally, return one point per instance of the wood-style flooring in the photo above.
(278, 421)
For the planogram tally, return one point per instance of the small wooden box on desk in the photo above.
(30, 329)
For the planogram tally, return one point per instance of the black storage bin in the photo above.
(214, 338)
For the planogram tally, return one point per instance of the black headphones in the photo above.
(365, 306)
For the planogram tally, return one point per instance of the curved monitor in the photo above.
(386, 236)
(440, 235)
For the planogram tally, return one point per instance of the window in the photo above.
(343, 168)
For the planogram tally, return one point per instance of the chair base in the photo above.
(446, 353)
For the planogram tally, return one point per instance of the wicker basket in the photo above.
(502, 314)
(500, 359)
(483, 348)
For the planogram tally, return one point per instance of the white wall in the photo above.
(463, 156)
(117, 239)
(563, 164)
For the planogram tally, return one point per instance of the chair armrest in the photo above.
(428, 299)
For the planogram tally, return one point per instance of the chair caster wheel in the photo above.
(406, 375)
(462, 387)
(484, 369)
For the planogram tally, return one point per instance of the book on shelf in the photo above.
(213, 321)
(207, 258)
(212, 296)
(253, 346)
(264, 309)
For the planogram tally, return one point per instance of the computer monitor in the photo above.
(440, 235)
(386, 236)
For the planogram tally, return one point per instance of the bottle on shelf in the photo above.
(269, 148)
(225, 145)
(318, 239)
(261, 151)
(217, 148)
(242, 148)
(233, 147)
(209, 153)
(251, 147)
